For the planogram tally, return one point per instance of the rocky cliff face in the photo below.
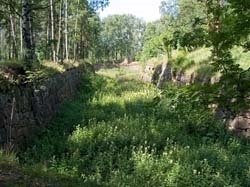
(25, 109)
(160, 74)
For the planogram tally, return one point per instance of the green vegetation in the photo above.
(118, 133)
(121, 38)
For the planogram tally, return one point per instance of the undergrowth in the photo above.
(121, 133)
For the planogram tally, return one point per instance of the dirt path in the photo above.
(133, 66)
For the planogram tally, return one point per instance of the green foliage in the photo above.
(120, 132)
(181, 26)
(152, 48)
(121, 37)
(184, 20)
(7, 158)
(233, 86)
(98, 4)
(181, 62)
(220, 25)
(156, 41)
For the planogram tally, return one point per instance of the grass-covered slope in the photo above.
(199, 61)
(118, 133)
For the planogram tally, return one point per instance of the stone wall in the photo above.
(26, 108)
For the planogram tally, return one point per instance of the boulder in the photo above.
(241, 124)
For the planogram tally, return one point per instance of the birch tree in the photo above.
(66, 30)
(13, 36)
(76, 26)
(58, 56)
(52, 31)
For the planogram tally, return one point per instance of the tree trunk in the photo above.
(59, 34)
(47, 55)
(28, 38)
(1, 44)
(52, 31)
(13, 37)
(9, 44)
(76, 23)
(21, 39)
(66, 31)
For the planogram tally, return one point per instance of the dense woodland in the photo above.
(119, 131)
(60, 30)
(54, 30)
